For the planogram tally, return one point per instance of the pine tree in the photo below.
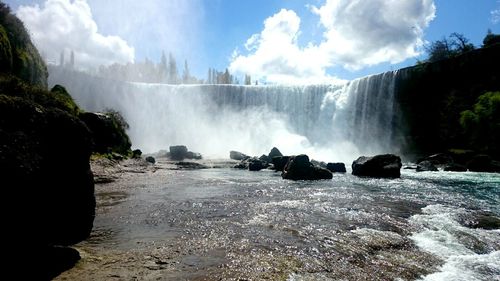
(72, 60)
(173, 75)
(61, 58)
(185, 74)
(163, 69)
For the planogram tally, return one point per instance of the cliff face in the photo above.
(18, 55)
(431, 97)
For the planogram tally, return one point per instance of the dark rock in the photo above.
(438, 159)
(235, 155)
(265, 158)
(136, 153)
(426, 166)
(300, 168)
(150, 159)
(483, 163)
(191, 165)
(336, 167)
(178, 152)
(242, 165)
(317, 163)
(279, 162)
(483, 220)
(44, 159)
(256, 164)
(382, 166)
(108, 135)
(455, 168)
(274, 153)
(193, 155)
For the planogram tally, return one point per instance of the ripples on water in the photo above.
(256, 225)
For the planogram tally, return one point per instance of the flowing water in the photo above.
(328, 122)
(238, 225)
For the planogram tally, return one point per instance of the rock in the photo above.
(235, 155)
(178, 152)
(274, 153)
(318, 163)
(44, 159)
(483, 220)
(136, 153)
(265, 158)
(242, 165)
(382, 166)
(279, 162)
(483, 163)
(191, 165)
(455, 168)
(426, 166)
(438, 159)
(256, 164)
(108, 136)
(336, 167)
(300, 168)
(194, 155)
(150, 159)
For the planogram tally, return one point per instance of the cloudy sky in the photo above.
(278, 41)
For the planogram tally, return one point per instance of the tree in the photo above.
(481, 125)
(173, 76)
(491, 39)
(248, 79)
(209, 78)
(61, 58)
(186, 77)
(72, 60)
(163, 69)
(460, 43)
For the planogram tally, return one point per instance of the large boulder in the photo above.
(455, 168)
(426, 166)
(44, 159)
(255, 164)
(178, 152)
(300, 168)
(274, 153)
(236, 155)
(380, 166)
(439, 159)
(336, 167)
(279, 162)
(108, 135)
(483, 163)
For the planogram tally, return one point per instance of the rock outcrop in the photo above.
(336, 167)
(380, 166)
(300, 168)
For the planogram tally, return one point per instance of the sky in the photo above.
(274, 41)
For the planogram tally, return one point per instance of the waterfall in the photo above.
(328, 122)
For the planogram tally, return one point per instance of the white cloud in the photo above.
(357, 34)
(495, 14)
(68, 25)
(276, 56)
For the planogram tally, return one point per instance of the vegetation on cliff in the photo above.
(18, 55)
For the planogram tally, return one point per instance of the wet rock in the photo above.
(191, 165)
(483, 163)
(107, 135)
(318, 163)
(300, 168)
(256, 164)
(150, 159)
(193, 155)
(426, 166)
(486, 221)
(279, 162)
(336, 167)
(236, 155)
(274, 153)
(265, 158)
(178, 152)
(455, 168)
(382, 166)
(136, 153)
(438, 159)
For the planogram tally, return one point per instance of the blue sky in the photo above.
(207, 33)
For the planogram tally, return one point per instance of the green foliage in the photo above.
(455, 45)
(25, 59)
(491, 39)
(120, 126)
(57, 98)
(481, 125)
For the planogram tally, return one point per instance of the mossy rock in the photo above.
(5, 52)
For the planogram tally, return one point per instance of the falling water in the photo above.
(329, 122)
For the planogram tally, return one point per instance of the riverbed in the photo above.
(226, 224)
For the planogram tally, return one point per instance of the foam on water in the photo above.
(469, 254)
